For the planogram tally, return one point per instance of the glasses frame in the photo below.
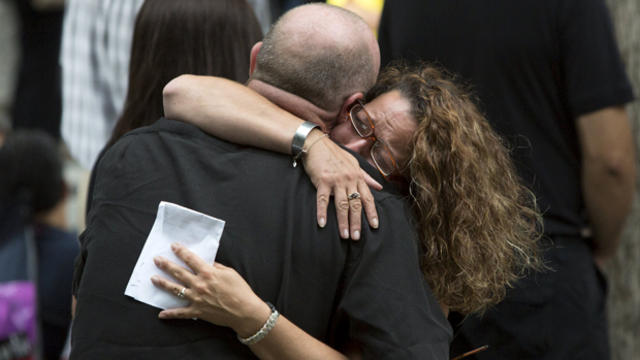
(371, 135)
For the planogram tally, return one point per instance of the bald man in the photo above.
(370, 295)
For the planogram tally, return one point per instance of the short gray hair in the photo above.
(315, 65)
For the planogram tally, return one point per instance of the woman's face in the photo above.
(394, 125)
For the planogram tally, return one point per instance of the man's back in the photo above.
(331, 288)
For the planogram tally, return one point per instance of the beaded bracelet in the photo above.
(264, 330)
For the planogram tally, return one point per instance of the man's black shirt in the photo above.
(370, 291)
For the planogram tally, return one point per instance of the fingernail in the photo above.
(322, 222)
(174, 246)
(345, 234)
(162, 315)
(157, 260)
(374, 223)
(356, 235)
(155, 278)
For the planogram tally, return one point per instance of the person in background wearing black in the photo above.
(338, 291)
(549, 76)
(208, 29)
(37, 100)
(32, 194)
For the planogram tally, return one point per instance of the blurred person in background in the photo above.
(8, 58)
(96, 49)
(549, 76)
(5, 128)
(216, 40)
(369, 10)
(32, 196)
(96, 43)
(37, 98)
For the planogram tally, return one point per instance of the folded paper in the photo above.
(198, 232)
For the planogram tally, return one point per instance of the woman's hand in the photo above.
(218, 294)
(336, 172)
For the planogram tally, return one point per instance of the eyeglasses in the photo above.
(364, 126)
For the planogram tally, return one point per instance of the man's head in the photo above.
(319, 52)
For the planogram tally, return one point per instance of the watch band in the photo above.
(299, 138)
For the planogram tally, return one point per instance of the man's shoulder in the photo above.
(167, 130)
(165, 139)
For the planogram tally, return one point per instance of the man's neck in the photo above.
(295, 104)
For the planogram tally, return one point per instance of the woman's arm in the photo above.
(219, 295)
(234, 112)
(231, 111)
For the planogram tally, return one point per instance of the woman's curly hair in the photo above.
(478, 225)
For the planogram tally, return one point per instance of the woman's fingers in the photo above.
(171, 287)
(342, 209)
(355, 212)
(336, 172)
(369, 205)
(349, 211)
(178, 272)
(322, 200)
(371, 181)
(178, 313)
(192, 260)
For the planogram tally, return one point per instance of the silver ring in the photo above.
(181, 293)
(354, 195)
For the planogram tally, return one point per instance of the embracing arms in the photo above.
(219, 295)
(230, 111)
(234, 112)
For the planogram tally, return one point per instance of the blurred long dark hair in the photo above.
(174, 37)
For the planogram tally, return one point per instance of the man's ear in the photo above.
(348, 104)
(254, 55)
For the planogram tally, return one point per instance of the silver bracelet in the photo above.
(266, 328)
(304, 151)
(299, 138)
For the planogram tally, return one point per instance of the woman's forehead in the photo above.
(395, 125)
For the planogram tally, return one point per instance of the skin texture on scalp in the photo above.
(321, 53)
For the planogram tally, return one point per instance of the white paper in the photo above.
(200, 233)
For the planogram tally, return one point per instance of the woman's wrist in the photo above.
(313, 136)
(253, 319)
